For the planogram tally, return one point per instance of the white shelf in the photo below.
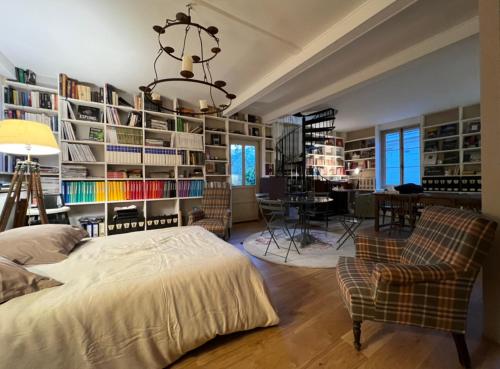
(83, 102)
(25, 86)
(85, 203)
(440, 138)
(216, 132)
(440, 165)
(30, 109)
(471, 134)
(361, 159)
(216, 146)
(83, 162)
(166, 131)
(86, 179)
(217, 160)
(442, 124)
(440, 151)
(160, 114)
(84, 142)
(190, 119)
(217, 175)
(363, 149)
(163, 199)
(120, 126)
(191, 197)
(83, 122)
(123, 108)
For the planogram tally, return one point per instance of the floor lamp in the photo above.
(23, 137)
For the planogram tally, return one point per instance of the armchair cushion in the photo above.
(213, 225)
(383, 250)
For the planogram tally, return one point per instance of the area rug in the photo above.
(323, 254)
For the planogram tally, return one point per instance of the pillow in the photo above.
(40, 244)
(16, 281)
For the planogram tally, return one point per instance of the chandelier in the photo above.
(187, 61)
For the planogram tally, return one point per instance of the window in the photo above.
(243, 165)
(401, 156)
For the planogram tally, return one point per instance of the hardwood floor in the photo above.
(315, 331)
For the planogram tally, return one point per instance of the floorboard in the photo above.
(315, 330)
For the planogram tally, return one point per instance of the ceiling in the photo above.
(278, 57)
(113, 41)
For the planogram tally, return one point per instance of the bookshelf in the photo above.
(451, 150)
(37, 103)
(127, 164)
(327, 158)
(360, 162)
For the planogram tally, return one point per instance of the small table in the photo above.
(304, 203)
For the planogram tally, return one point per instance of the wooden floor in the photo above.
(315, 331)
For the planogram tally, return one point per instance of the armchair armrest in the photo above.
(195, 215)
(384, 250)
(416, 273)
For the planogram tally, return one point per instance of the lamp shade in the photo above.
(23, 137)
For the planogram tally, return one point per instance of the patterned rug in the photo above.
(321, 254)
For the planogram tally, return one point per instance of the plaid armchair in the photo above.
(215, 212)
(424, 281)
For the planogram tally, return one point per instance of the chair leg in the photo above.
(356, 330)
(463, 352)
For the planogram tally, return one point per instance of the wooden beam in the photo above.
(355, 24)
(326, 94)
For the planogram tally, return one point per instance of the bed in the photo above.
(138, 300)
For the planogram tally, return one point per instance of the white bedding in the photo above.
(135, 301)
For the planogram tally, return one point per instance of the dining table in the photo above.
(305, 205)
(410, 205)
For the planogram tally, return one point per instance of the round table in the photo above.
(304, 204)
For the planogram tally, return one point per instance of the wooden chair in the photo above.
(424, 281)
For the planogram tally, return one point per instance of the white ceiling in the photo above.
(113, 41)
(444, 79)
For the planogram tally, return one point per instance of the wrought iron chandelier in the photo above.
(187, 61)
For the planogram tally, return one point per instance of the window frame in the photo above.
(400, 131)
(243, 164)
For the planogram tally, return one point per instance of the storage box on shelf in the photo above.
(451, 150)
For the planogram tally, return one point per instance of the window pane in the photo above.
(392, 159)
(236, 165)
(411, 155)
(250, 166)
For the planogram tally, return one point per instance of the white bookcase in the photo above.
(215, 168)
(451, 150)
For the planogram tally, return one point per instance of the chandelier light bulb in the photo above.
(187, 66)
(203, 105)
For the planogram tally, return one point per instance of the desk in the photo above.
(411, 203)
(304, 203)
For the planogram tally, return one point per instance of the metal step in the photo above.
(322, 129)
(314, 139)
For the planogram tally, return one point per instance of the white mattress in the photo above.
(134, 301)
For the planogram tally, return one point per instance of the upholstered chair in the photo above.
(215, 212)
(424, 281)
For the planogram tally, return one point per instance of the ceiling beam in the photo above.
(427, 46)
(355, 24)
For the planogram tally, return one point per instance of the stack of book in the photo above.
(168, 125)
(124, 154)
(190, 188)
(83, 191)
(125, 190)
(188, 141)
(138, 102)
(130, 173)
(192, 157)
(156, 142)
(35, 99)
(124, 136)
(50, 185)
(48, 169)
(50, 121)
(73, 89)
(161, 157)
(160, 189)
(134, 119)
(73, 171)
(76, 152)
(126, 213)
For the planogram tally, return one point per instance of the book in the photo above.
(96, 134)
